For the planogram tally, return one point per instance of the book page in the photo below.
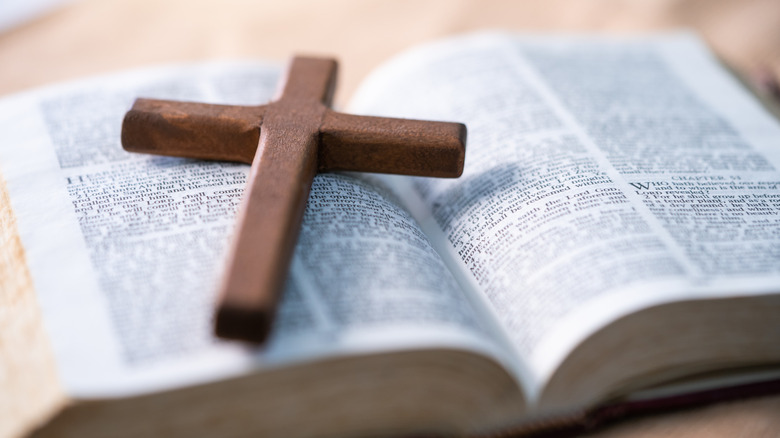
(125, 250)
(602, 176)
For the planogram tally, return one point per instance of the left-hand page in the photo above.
(94, 218)
(125, 250)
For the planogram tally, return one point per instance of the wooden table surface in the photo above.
(98, 36)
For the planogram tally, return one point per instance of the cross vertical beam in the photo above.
(272, 208)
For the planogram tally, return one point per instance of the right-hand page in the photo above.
(603, 175)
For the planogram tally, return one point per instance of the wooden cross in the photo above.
(287, 142)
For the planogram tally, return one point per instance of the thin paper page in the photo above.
(567, 136)
(125, 249)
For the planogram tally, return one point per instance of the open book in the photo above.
(615, 238)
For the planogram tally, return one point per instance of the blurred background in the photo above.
(42, 41)
(45, 41)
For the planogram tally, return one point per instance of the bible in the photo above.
(613, 246)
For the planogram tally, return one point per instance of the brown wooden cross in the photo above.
(287, 142)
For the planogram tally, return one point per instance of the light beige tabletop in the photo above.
(97, 36)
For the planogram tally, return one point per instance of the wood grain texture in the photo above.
(384, 145)
(296, 135)
(194, 130)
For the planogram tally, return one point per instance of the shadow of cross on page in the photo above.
(287, 141)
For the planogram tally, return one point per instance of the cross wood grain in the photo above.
(287, 142)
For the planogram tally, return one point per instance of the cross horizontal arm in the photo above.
(193, 130)
(385, 145)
